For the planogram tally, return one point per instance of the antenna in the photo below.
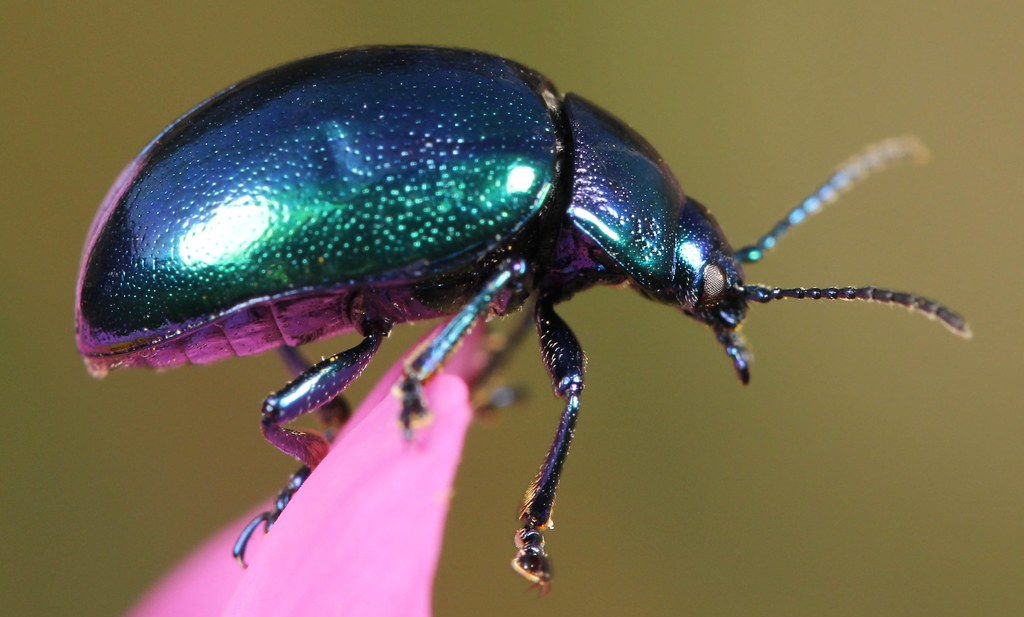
(913, 302)
(873, 159)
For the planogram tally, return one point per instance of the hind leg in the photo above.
(334, 413)
(315, 388)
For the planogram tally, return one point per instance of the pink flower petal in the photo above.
(199, 586)
(362, 536)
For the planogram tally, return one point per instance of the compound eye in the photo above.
(714, 284)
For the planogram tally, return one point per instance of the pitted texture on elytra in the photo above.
(364, 165)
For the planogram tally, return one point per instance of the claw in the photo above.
(243, 538)
(268, 518)
(531, 562)
(414, 413)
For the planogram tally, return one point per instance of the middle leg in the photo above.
(428, 359)
(487, 397)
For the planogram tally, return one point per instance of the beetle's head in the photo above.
(708, 281)
(713, 293)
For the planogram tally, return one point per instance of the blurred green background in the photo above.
(873, 466)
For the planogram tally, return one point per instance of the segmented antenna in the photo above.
(873, 159)
(913, 302)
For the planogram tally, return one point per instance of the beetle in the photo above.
(375, 186)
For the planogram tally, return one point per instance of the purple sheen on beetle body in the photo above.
(361, 537)
(262, 324)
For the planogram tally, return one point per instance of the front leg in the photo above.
(426, 361)
(565, 361)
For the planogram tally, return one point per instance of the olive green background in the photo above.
(872, 467)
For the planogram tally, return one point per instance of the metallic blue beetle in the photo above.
(366, 188)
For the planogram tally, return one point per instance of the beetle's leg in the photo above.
(500, 348)
(311, 390)
(565, 361)
(333, 413)
(316, 387)
(268, 518)
(426, 361)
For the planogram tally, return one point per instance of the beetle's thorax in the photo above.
(627, 220)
